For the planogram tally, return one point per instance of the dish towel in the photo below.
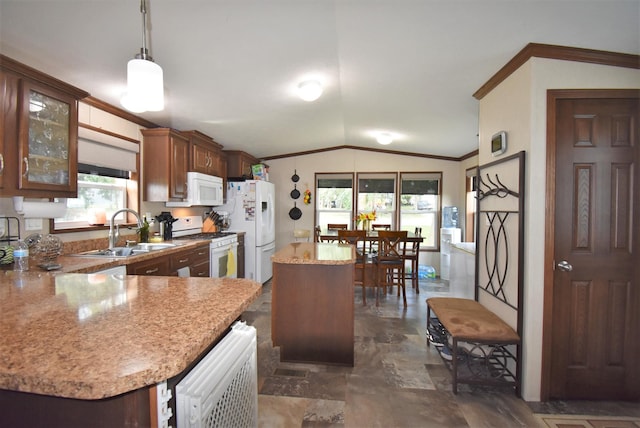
(231, 263)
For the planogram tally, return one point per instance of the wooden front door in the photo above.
(595, 330)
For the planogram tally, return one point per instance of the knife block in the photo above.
(208, 226)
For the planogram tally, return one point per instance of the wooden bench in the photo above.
(478, 337)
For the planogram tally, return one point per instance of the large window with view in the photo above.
(420, 205)
(376, 193)
(334, 199)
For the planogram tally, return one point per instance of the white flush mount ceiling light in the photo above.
(145, 86)
(384, 138)
(310, 90)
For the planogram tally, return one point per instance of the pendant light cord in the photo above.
(144, 53)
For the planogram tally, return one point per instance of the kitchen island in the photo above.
(92, 347)
(312, 303)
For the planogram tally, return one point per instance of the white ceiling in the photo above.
(409, 67)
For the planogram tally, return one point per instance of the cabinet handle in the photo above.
(152, 270)
(203, 274)
(183, 260)
(26, 167)
(1, 163)
(202, 253)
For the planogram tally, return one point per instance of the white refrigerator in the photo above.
(251, 208)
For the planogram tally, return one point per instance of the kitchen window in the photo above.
(420, 205)
(376, 192)
(100, 190)
(334, 199)
(107, 181)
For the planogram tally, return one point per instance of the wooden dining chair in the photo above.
(412, 255)
(358, 239)
(390, 261)
(380, 226)
(373, 245)
(316, 234)
(337, 226)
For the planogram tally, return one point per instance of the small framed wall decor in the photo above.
(499, 143)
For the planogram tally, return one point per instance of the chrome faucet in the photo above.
(113, 237)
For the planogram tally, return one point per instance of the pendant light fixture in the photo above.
(145, 86)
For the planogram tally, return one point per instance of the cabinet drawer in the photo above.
(201, 254)
(180, 260)
(149, 267)
(200, 270)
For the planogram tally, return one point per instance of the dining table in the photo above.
(367, 274)
(371, 236)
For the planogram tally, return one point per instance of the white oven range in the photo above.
(223, 247)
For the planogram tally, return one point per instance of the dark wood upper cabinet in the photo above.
(206, 154)
(239, 164)
(165, 154)
(38, 133)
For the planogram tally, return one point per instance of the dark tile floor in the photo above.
(397, 381)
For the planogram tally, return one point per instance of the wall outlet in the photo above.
(32, 224)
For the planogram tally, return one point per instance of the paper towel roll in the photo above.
(39, 209)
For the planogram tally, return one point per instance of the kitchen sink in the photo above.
(142, 248)
(114, 252)
(151, 246)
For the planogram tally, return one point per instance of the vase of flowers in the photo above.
(366, 219)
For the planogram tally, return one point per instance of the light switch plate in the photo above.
(32, 224)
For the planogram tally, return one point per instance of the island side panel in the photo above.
(312, 312)
(24, 409)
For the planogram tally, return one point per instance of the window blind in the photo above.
(375, 185)
(105, 150)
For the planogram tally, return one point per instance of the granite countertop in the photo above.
(315, 253)
(86, 264)
(92, 336)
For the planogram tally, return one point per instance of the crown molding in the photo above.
(564, 53)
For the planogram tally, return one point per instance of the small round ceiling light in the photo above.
(384, 138)
(310, 90)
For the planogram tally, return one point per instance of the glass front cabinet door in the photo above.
(48, 140)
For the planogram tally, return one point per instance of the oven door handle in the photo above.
(223, 250)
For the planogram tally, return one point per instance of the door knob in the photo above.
(565, 266)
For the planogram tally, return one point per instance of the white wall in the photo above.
(518, 106)
(349, 160)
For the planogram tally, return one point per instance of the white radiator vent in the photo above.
(222, 389)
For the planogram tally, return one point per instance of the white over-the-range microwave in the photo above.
(202, 190)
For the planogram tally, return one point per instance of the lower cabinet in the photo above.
(158, 266)
(196, 259)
